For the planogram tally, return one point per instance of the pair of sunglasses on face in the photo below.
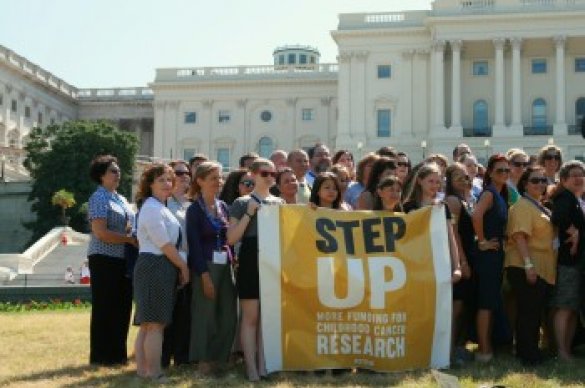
(266, 174)
(182, 173)
(248, 183)
(537, 180)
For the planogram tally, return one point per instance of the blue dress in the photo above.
(488, 265)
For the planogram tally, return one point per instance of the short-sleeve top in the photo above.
(240, 206)
(157, 226)
(179, 210)
(114, 208)
(526, 217)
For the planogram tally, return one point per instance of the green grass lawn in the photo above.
(41, 349)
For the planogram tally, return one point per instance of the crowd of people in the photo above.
(516, 229)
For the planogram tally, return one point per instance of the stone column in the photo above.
(456, 86)
(291, 104)
(172, 151)
(158, 135)
(243, 104)
(439, 85)
(358, 78)
(208, 108)
(517, 126)
(499, 86)
(326, 104)
(343, 139)
(406, 126)
(560, 126)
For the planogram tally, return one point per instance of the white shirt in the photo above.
(156, 227)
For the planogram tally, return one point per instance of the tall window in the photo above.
(281, 59)
(539, 113)
(480, 68)
(223, 116)
(579, 110)
(14, 106)
(190, 117)
(265, 147)
(292, 59)
(223, 157)
(480, 118)
(303, 59)
(579, 65)
(27, 112)
(308, 114)
(40, 118)
(188, 153)
(384, 121)
(384, 71)
(539, 66)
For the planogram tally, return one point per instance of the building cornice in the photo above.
(239, 82)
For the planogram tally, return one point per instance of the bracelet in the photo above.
(249, 215)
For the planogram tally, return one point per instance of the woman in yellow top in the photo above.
(530, 261)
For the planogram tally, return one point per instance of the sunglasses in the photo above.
(182, 173)
(504, 170)
(536, 181)
(402, 164)
(521, 164)
(248, 183)
(266, 174)
(551, 157)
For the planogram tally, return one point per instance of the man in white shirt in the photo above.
(298, 161)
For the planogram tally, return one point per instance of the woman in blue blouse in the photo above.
(214, 310)
(110, 217)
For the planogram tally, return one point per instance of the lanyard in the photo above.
(538, 206)
(217, 223)
(260, 201)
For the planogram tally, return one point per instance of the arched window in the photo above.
(539, 120)
(265, 147)
(579, 110)
(480, 119)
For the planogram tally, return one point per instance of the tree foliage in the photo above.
(59, 157)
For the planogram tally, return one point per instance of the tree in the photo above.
(58, 157)
(65, 200)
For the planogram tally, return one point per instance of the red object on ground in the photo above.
(64, 239)
(84, 280)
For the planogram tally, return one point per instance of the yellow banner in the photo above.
(354, 289)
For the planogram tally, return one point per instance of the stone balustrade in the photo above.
(246, 72)
(115, 94)
(36, 73)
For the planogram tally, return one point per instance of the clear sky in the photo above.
(119, 43)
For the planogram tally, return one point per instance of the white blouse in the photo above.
(156, 227)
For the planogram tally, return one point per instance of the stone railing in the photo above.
(494, 6)
(115, 94)
(381, 20)
(245, 72)
(36, 73)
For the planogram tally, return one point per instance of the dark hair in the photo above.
(311, 151)
(369, 158)
(389, 181)
(524, 178)
(231, 190)
(197, 158)
(487, 179)
(563, 175)
(99, 166)
(248, 156)
(387, 151)
(281, 172)
(449, 189)
(544, 150)
(319, 180)
(177, 162)
(382, 164)
(339, 154)
(148, 176)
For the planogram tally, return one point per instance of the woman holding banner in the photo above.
(489, 222)
(244, 227)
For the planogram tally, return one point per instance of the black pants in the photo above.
(530, 305)
(111, 298)
(177, 335)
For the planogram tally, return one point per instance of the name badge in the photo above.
(220, 257)
(556, 243)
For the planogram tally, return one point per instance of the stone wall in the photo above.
(14, 211)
